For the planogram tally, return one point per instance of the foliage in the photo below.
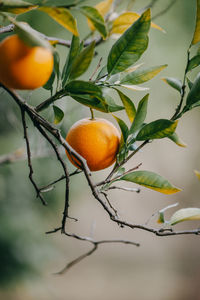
(94, 92)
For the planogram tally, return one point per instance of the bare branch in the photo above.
(176, 114)
(77, 260)
(111, 206)
(62, 42)
(94, 189)
(58, 180)
(29, 158)
(7, 29)
(54, 146)
(96, 69)
(113, 187)
(94, 248)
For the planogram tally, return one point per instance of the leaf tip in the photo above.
(197, 173)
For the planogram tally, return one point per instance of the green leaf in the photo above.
(194, 62)
(57, 66)
(140, 115)
(141, 76)
(62, 16)
(103, 73)
(185, 214)
(30, 36)
(194, 94)
(80, 87)
(49, 85)
(130, 46)
(96, 18)
(16, 7)
(152, 181)
(175, 138)
(73, 52)
(123, 127)
(112, 106)
(161, 218)
(190, 83)
(120, 171)
(58, 114)
(196, 36)
(67, 3)
(173, 82)
(82, 61)
(87, 93)
(128, 104)
(13, 3)
(157, 130)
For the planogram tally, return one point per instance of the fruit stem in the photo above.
(92, 114)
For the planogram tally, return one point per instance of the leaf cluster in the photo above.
(119, 72)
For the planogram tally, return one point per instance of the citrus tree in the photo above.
(29, 60)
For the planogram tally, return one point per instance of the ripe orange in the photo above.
(23, 67)
(97, 140)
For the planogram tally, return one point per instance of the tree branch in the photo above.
(62, 42)
(41, 122)
(94, 248)
(66, 175)
(177, 115)
(29, 158)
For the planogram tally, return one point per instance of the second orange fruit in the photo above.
(23, 67)
(97, 140)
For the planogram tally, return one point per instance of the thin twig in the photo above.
(55, 132)
(97, 68)
(62, 42)
(29, 158)
(77, 260)
(94, 248)
(58, 180)
(109, 203)
(162, 12)
(176, 114)
(150, 5)
(7, 29)
(66, 174)
(113, 187)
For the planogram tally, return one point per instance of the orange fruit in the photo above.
(97, 140)
(23, 67)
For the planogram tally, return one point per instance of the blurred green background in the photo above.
(166, 268)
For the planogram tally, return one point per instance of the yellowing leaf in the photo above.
(196, 36)
(18, 10)
(96, 19)
(128, 104)
(197, 173)
(158, 129)
(103, 8)
(175, 138)
(63, 16)
(131, 69)
(141, 76)
(185, 214)
(58, 114)
(134, 87)
(152, 181)
(125, 20)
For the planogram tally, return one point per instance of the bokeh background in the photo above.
(164, 268)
